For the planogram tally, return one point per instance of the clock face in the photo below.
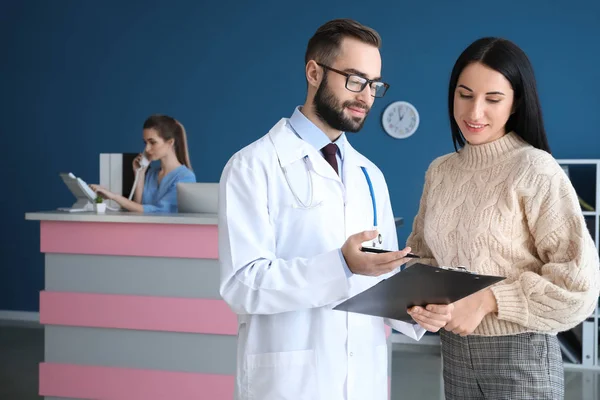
(400, 119)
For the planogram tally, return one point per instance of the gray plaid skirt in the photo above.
(523, 366)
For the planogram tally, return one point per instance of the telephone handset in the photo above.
(144, 162)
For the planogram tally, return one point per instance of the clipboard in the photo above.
(417, 285)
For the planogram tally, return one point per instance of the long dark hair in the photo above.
(508, 59)
(169, 128)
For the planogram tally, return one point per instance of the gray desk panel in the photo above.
(142, 276)
(167, 351)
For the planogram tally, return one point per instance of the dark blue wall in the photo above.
(78, 78)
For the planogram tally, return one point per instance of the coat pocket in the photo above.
(284, 375)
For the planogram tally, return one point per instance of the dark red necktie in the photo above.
(330, 152)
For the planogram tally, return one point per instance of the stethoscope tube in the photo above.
(364, 170)
(372, 192)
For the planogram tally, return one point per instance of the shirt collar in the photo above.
(310, 133)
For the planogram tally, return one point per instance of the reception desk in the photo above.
(131, 308)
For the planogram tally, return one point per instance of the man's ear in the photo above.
(314, 73)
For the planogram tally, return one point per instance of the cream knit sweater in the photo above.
(506, 208)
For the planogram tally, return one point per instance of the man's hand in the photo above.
(371, 264)
(469, 312)
(433, 317)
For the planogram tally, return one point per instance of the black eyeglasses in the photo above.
(357, 83)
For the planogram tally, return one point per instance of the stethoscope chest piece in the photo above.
(378, 241)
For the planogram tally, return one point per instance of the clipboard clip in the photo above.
(458, 269)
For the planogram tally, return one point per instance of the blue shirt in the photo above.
(310, 133)
(162, 197)
(307, 131)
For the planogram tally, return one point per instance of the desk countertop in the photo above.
(135, 218)
(124, 217)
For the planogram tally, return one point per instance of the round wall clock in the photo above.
(400, 119)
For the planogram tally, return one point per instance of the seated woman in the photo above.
(156, 190)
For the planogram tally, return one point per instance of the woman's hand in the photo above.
(433, 317)
(103, 192)
(469, 311)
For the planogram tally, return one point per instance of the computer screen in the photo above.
(199, 197)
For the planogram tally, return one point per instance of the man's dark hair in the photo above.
(325, 44)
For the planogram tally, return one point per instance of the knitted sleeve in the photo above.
(416, 240)
(563, 292)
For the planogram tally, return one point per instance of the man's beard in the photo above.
(329, 111)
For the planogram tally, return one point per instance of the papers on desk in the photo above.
(417, 285)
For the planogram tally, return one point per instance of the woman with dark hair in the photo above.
(156, 188)
(502, 205)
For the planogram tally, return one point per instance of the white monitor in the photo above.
(116, 174)
(198, 197)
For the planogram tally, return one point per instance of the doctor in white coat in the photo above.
(291, 222)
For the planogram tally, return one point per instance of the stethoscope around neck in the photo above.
(300, 204)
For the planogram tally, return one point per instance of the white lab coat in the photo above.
(281, 272)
